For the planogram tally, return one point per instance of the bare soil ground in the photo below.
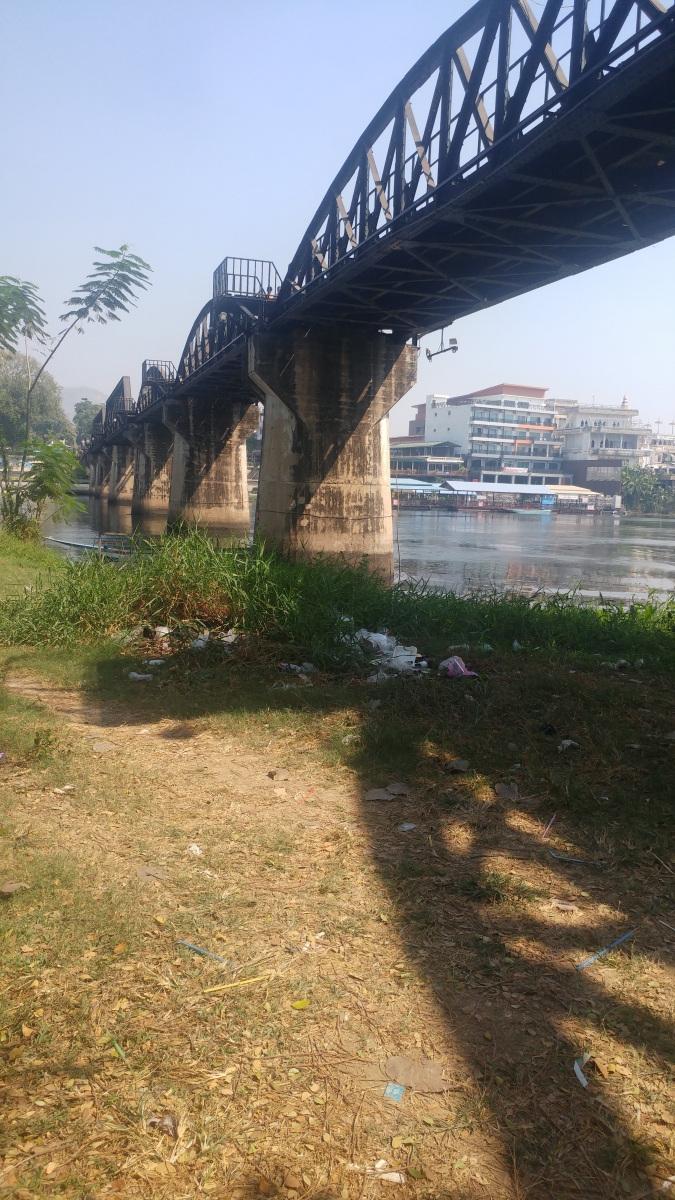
(126, 1073)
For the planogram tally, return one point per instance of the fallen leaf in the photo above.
(300, 1004)
(8, 888)
(424, 1076)
(147, 873)
(26, 1032)
(487, 1036)
(292, 1182)
(16, 1053)
(121, 947)
(265, 1187)
(160, 920)
(601, 1066)
(87, 1111)
(51, 1168)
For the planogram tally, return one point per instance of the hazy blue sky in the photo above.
(194, 129)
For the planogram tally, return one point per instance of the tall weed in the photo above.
(312, 607)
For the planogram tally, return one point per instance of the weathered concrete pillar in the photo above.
(208, 473)
(121, 486)
(152, 469)
(99, 473)
(325, 473)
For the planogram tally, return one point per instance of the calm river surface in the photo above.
(617, 555)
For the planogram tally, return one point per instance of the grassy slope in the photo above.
(21, 563)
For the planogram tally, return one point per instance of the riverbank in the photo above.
(434, 924)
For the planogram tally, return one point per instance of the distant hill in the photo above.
(71, 395)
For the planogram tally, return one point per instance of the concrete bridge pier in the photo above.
(99, 473)
(121, 486)
(152, 468)
(208, 474)
(325, 474)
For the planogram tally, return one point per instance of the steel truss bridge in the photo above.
(518, 150)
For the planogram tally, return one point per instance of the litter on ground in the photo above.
(588, 961)
(578, 1064)
(455, 668)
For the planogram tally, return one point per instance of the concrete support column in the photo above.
(121, 487)
(99, 474)
(208, 475)
(152, 469)
(325, 473)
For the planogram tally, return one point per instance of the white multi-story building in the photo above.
(600, 439)
(508, 433)
(511, 433)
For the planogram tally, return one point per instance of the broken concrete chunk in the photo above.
(278, 775)
(102, 747)
(148, 873)
(458, 764)
(9, 888)
(389, 793)
(424, 1076)
(507, 791)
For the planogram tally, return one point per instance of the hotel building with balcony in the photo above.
(511, 433)
(508, 433)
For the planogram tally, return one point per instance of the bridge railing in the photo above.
(246, 277)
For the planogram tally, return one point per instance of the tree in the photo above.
(106, 293)
(21, 312)
(49, 419)
(49, 477)
(85, 411)
(643, 491)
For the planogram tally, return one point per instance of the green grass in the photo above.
(20, 563)
(310, 609)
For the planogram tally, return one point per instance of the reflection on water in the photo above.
(617, 555)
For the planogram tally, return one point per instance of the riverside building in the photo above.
(508, 433)
(511, 433)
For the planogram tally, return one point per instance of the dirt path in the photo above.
(134, 1078)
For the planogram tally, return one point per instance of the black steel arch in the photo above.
(506, 95)
(518, 150)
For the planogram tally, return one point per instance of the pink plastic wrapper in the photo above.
(454, 667)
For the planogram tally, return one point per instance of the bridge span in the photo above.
(519, 149)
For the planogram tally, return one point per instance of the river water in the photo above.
(618, 556)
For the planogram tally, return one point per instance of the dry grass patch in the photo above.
(125, 1073)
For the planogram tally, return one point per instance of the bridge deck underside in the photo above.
(594, 184)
